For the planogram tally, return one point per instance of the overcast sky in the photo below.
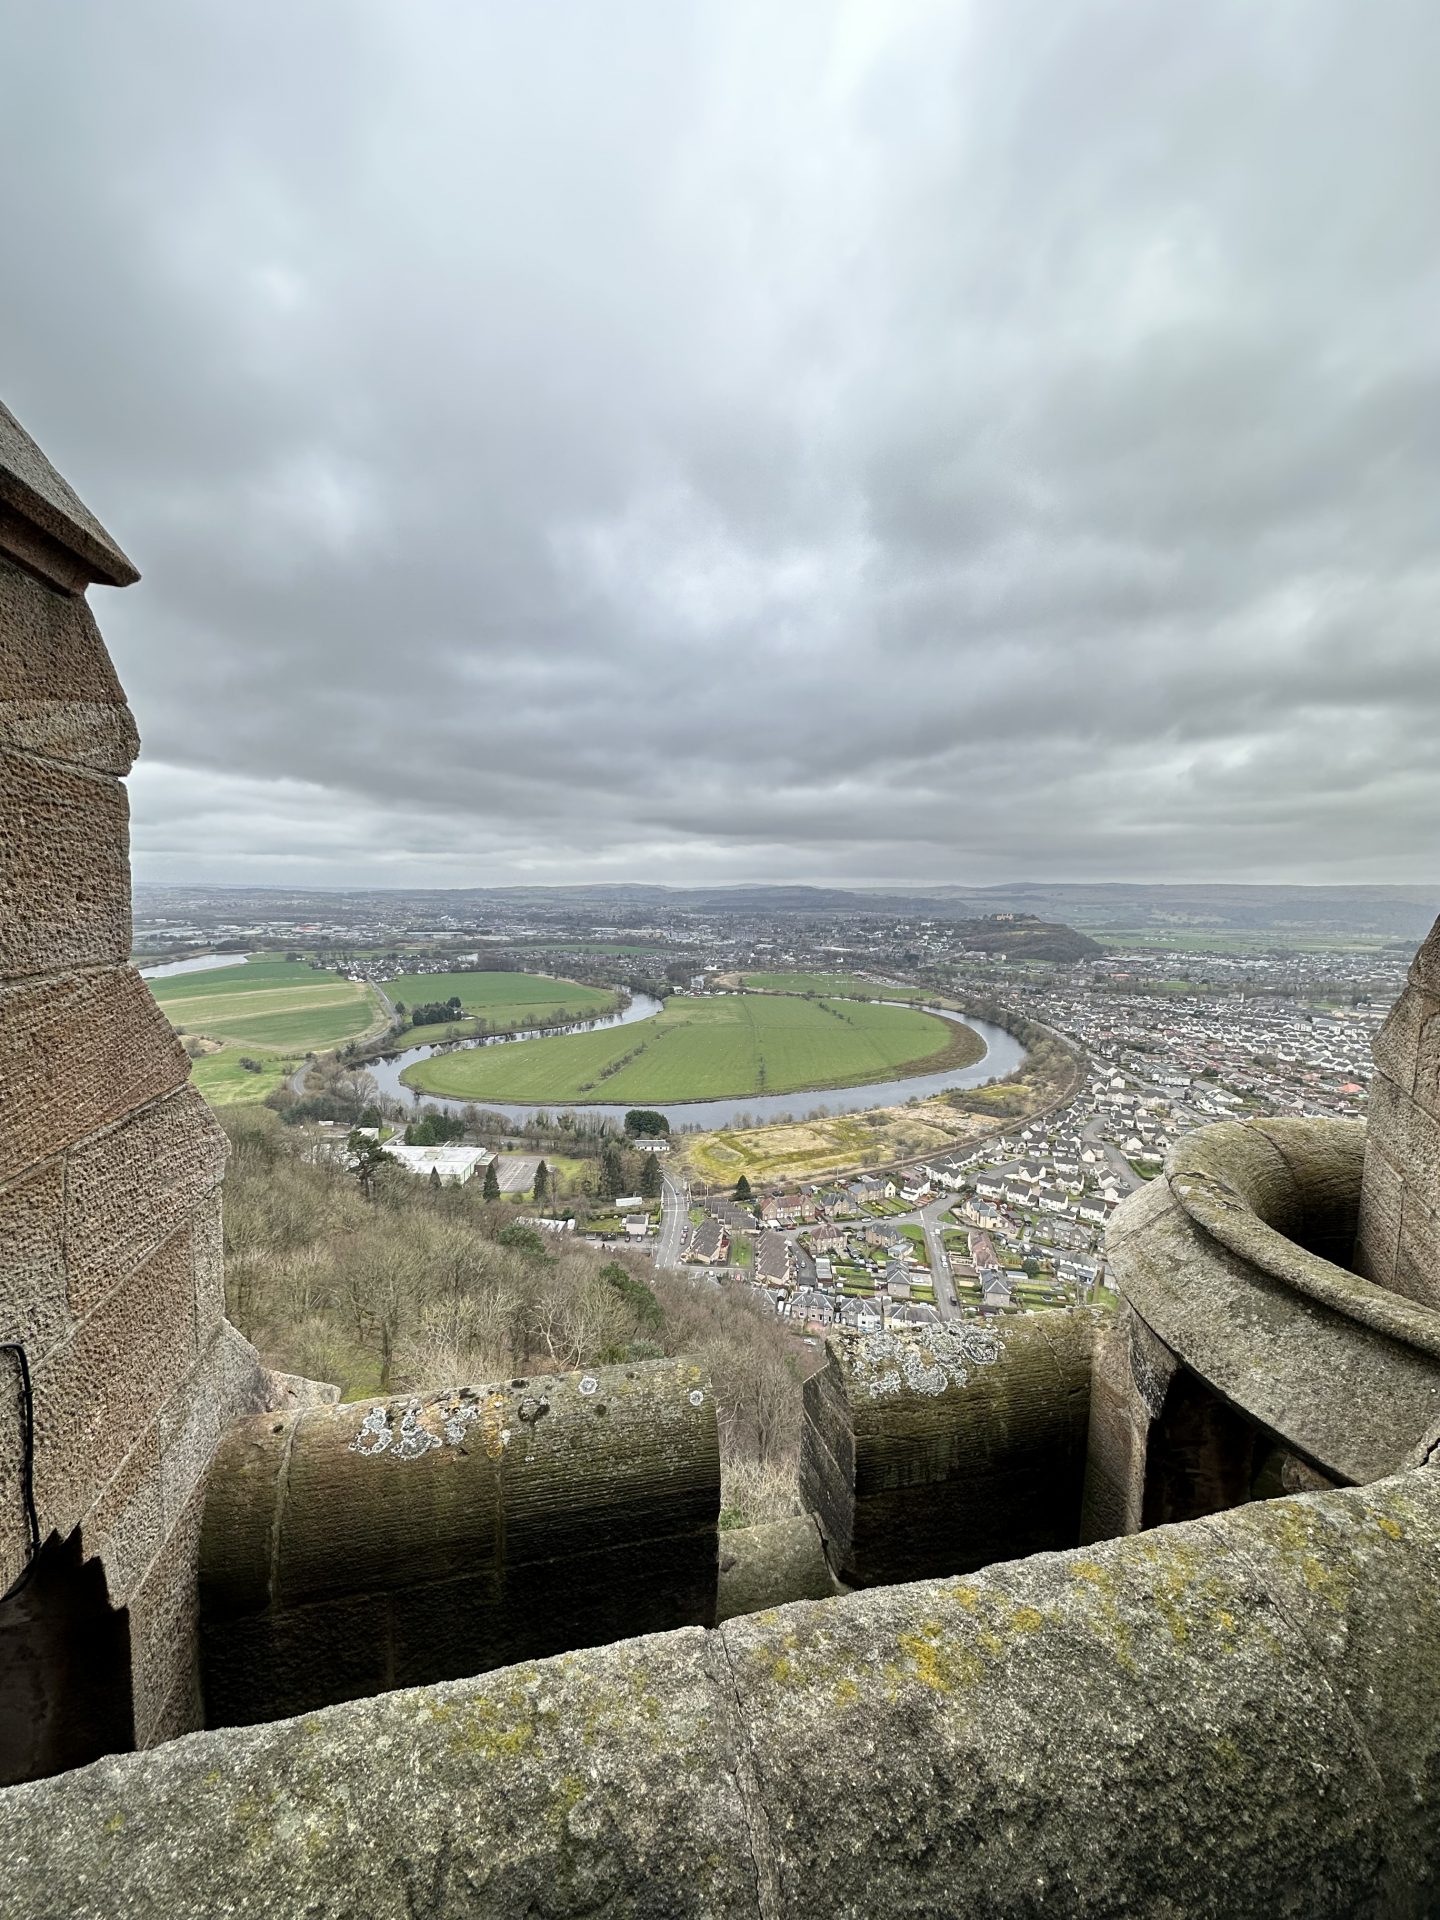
(669, 441)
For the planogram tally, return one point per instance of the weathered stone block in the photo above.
(164, 1627)
(207, 1225)
(968, 1445)
(228, 1385)
(64, 871)
(96, 1393)
(134, 1185)
(58, 692)
(32, 1266)
(77, 1052)
(772, 1564)
(1377, 1229)
(495, 1522)
(15, 1542)
(126, 1525)
(1404, 1138)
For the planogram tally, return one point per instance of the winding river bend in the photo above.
(1003, 1054)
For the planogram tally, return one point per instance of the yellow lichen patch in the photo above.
(479, 1725)
(967, 1596)
(115, 1823)
(1027, 1619)
(846, 1692)
(1390, 1528)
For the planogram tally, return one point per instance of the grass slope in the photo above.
(738, 1045)
(268, 1003)
(838, 986)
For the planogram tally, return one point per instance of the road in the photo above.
(674, 1219)
(942, 1281)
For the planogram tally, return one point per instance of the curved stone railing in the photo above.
(1233, 1260)
(1228, 1717)
(1277, 1191)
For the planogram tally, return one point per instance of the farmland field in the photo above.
(503, 999)
(839, 986)
(704, 1049)
(282, 1004)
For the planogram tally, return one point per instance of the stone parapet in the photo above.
(942, 1448)
(1207, 1719)
(349, 1549)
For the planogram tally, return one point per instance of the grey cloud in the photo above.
(876, 443)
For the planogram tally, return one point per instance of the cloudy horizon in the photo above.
(872, 444)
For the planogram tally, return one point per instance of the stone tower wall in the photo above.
(111, 1272)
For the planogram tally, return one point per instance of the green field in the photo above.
(503, 999)
(225, 1083)
(838, 986)
(736, 1045)
(282, 1004)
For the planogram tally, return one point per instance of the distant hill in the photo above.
(1398, 913)
(1022, 937)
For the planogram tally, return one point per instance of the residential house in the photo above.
(982, 1252)
(772, 1260)
(997, 1287)
(709, 1244)
(913, 1313)
(815, 1309)
(860, 1314)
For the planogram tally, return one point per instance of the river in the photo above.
(1003, 1054)
(201, 965)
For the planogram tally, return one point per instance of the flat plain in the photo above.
(835, 986)
(280, 1004)
(503, 999)
(729, 1046)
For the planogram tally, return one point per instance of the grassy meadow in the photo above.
(736, 1045)
(284, 1005)
(503, 999)
(834, 986)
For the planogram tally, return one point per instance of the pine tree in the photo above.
(650, 1181)
(492, 1182)
(742, 1189)
(542, 1183)
(435, 1178)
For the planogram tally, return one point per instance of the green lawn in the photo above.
(837, 986)
(501, 999)
(269, 1003)
(737, 1045)
(225, 1083)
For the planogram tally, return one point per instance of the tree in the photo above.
(366, 1159)
(492, 1182)
(435, 1178)
(646, 1122)
(610, 1181)
(650, 1180)
(542, 1183)
(743, 1189)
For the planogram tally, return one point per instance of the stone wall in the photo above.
(1239, 1717)
(348, 1550)
(944, 1448)
(111, 1274)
